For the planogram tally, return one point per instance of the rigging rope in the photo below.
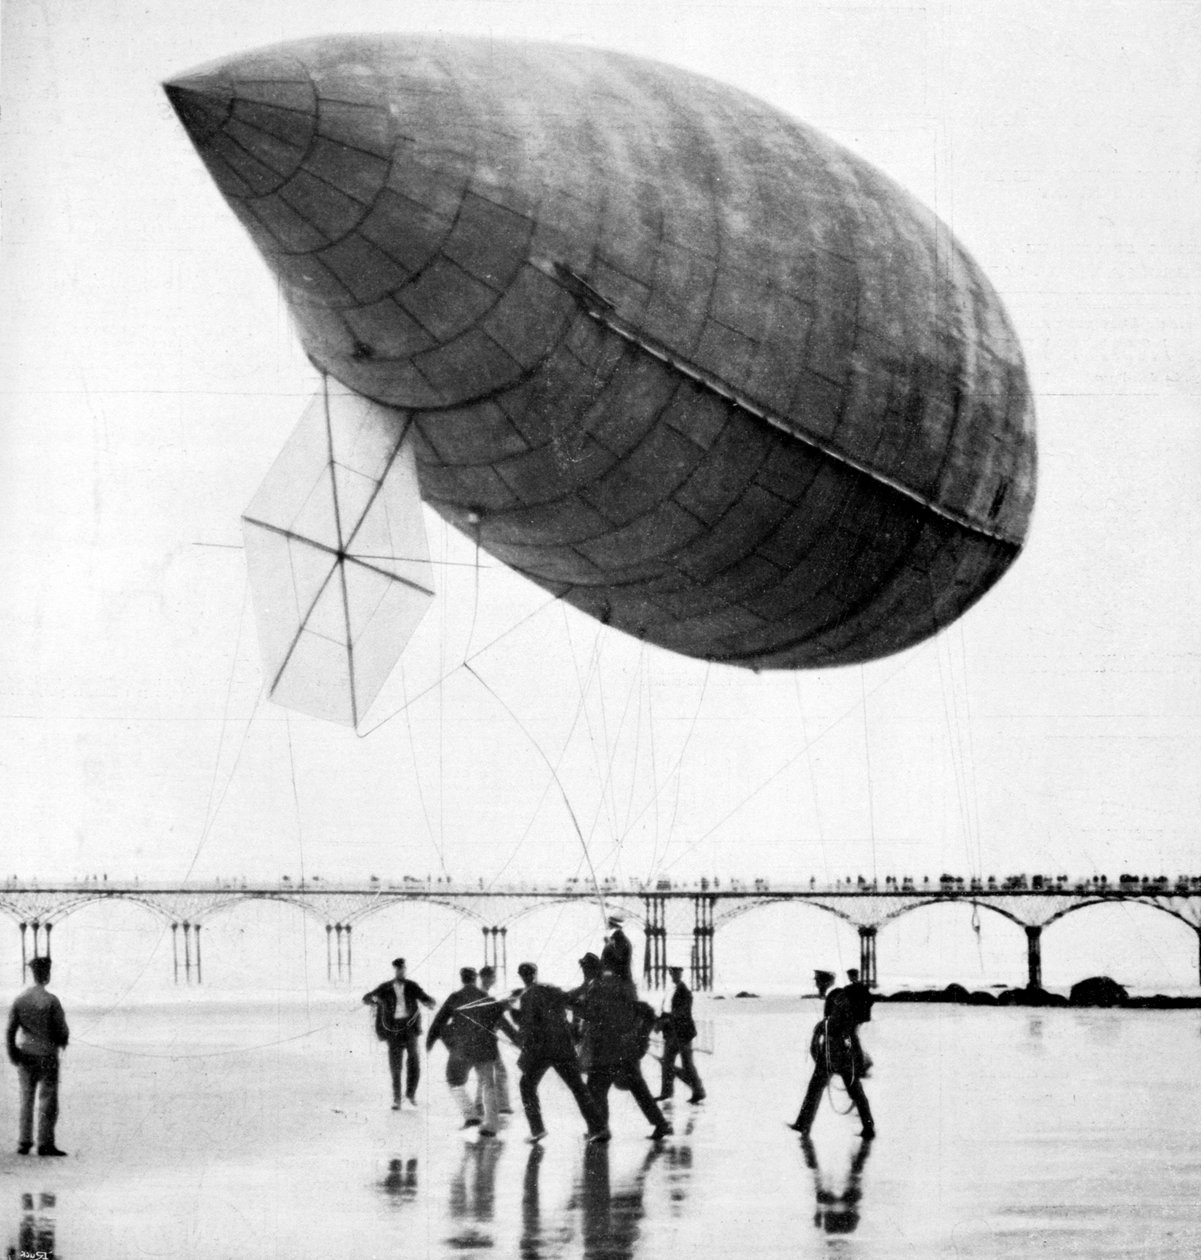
(600, 896)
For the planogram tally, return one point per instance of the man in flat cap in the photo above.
(546, 1042)
(398, 1023)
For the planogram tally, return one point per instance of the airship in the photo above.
(671, 354)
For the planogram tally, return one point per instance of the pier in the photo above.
(686, 915)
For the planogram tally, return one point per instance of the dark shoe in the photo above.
(487, 1132)
(662, 1098)
(661, 1131)
(471, 1122)
(505, 1111)
(698, 1098)
(24, 1148)
(802, 1129)
(868, 1132)
(600, 1135)
(50, 1150)
(535, 1138)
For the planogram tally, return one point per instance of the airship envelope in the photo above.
(672, 355)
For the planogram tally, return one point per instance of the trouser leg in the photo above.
(27, 1076)
(599, 1080)
(569, 1074)
(457, 1070)
(813, 1096)
(527, 1087)
(486, 1076)
(413, 1066)
(687, 1070)
(504, 1102)
(396, 1054)
(667, 1078)
(47, 1105)
(631, 1075)
(859, 1098)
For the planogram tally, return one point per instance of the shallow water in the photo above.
(210, 1129)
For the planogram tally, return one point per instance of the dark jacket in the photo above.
(541, 1017)
(389, 1022)
(37, 1018)
(677, 1023)
(617, 956)
(467, 1023)
(859, 999)
(615, 1024)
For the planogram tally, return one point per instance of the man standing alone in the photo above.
(679, 1032)
(398, 1022)
(37, 1019)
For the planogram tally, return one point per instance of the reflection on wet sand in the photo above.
(400, 1182)
(473, 1194)
(35, 1233)
(610, 1219)
(837, 1212)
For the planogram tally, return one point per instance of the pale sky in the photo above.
(150, 377)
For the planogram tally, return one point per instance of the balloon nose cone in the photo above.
(252, 135)
(203, 105)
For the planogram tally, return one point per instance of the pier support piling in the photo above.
(1034, 956)
(867, 956)
(175, 952)
(23, 962)
(702, 942)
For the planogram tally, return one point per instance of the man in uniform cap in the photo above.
(679, 1032)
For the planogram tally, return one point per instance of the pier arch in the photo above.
(1140, 944)
(775, 946)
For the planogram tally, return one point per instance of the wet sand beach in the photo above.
(207, 1128)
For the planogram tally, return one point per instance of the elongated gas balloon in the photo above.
(670, 354)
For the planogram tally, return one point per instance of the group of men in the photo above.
(593, 1036)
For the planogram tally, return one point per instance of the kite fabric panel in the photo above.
(338, 558)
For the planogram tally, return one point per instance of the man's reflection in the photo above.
(611, 1221)
(837, 1213)
(473, 1193)
(35, 1235)
(400, 1181)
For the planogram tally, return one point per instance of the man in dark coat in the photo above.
(679, 1032)
(37, 1031)
(616, 1029)
(618, 954)
(545, 1039)
(832, 1048)
(859, 999)
(467, 1022)
(398, 1022)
